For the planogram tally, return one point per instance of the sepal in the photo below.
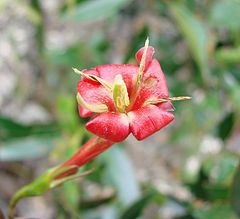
(59, 181)
(49, 180)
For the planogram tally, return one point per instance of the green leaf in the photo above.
(26, 148)
(226, 125)
(33, 15)
(226, 169)
(65, 58)
(194, 33)
(67, 113)
(215, 192)
(96, 202)
(70, 4)
(219, 211)
(221, 171)
(69, 197)
(228, 55)
(135, 210)
(235, 193)
(120, 173)
(94, 10)
(231, 81)
(10, 129)
(226, 13)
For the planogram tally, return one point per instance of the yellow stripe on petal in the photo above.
(98, 108)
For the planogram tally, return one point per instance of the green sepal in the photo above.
(42, 184)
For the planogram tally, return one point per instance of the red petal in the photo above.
(90, 72)
(158, 90)
(147, 120)
(149, 55)
(110, 126)
(155, 71)
(84, 112)
(167, 106)
(128, 72)
(95, 94)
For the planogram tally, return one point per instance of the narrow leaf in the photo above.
(136, 209)
(25, 149)
(194, 33)
(226, 125)
(94, 10)
(235, 195)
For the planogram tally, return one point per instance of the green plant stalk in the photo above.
(39, 186)
(42, 184)
(228, 55)
(58, 175)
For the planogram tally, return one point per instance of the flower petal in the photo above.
(90, 72)
(155, 71)
(84, 112)
(128, 72)
(96, 108)
(166, 106)
(154, 85)
(110, 126)
(149, 55)
(95, 94)
(147, 120)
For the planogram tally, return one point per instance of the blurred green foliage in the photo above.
(198, 45)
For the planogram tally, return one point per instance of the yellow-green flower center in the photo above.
(120, 94)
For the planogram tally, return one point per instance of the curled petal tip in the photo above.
(84, 113)
(98, 108)
(77, 71)
(147, 41)
(144, 59)
(143, 62)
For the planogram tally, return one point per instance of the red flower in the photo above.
(126, 98)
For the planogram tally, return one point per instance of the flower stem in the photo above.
(12, 206)
(86, 153)
(58, 175)
(37, 187)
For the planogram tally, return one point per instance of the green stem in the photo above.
(23, 192)
(60, 174)
(37, 187)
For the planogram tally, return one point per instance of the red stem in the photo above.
(86, 153)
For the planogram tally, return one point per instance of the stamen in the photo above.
(137, 85)
(175, 98)
(142, 63)
(166, 99)
(94, 78)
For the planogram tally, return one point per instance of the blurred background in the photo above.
(188, 170)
